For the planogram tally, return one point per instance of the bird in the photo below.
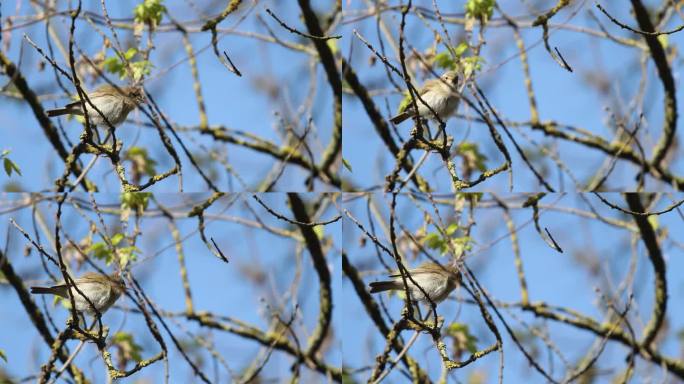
(438, 281)
(102, 291)
(440, 94)
(115, 104)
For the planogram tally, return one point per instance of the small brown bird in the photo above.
(115, 105)
(436, 280)
(102, 291)
(440, 94)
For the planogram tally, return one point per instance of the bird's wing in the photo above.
(73, 105)
(429, 85)
(413, 273)
(90, 275)
(426, 87)
(422, 91)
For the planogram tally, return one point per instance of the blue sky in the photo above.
(240, 103)
(224, 289)
(255, 105)
(552, 277)
(564, 97)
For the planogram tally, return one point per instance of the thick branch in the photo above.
(608, 331)
(325, 293)
(650, 240)
(286, 154)
(328, 61)
(267, 339)
(665, 74)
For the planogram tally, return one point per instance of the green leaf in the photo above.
(113, 65)
(137, 151)
(653, 220)
(346, 164)
(472, 64)
(139, 156)
(471, 151)
(433, 241)
(149, 12)
(461, 48)
(319, 230)
(128, 55)
(125, 258)
(461, 333)
(453, 227)
(65, 303)
(130, 348)
(462, 240)
(8, 166)
(116, 239)
(2, 355)
(332, 44)
(664, 40)
(98, 250)
(16, 167)
(101, 251)
(141, 68)
(347, 379)
(135, 200)
(473, 197)
(127, 254)
(480, 9)
(462, 244)
(404, 102)
(444, 60)
(117, 66)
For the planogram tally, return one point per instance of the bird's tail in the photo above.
(63, 111)
(42, 290)
(398, 119)
(380, 286)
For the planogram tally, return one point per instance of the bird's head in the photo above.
(451, 78)
(136, 94)
(117, 280)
